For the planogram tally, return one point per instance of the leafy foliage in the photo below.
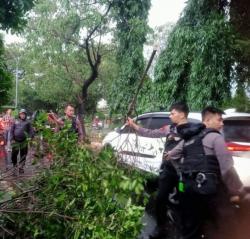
(240, 101)
(83, 195)
(156, 39)
(12, 16)
(239, 19)
(195, 66)
(131, 17)
(12, 13)
(5, 77)
(55, 60)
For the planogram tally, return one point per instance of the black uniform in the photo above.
(168, 179)
(202, 187)
(19, 132)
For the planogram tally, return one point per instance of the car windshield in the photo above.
(237, 129)
(159, 122)
(143, 122)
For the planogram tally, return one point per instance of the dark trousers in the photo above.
(17, 147)
(203, 214)
(168, 179)
(193, 210)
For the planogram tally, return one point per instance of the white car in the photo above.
(146, 153)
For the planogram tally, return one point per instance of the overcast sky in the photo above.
(161, 11)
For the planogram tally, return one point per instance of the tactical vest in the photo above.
(198, 173)
(194, 158)
(172, 139)
(177, 133)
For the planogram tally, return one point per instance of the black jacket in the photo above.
(21, 130)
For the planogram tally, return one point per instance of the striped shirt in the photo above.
(8, 121)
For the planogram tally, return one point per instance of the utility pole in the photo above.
(17, 62)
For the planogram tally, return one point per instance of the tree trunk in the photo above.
(85, 87)
(81, 113)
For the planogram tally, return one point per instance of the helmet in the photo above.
(23, 111)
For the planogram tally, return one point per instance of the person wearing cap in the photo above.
(20, 131)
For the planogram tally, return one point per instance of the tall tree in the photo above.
(195, 66)
(240, 20)
(131, 18)
(45, 84)
(157, 40)
(64, 42)
(5, 77)
(12, 16)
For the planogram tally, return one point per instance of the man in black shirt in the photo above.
(20, 131)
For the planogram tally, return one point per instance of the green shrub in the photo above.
(83, 195)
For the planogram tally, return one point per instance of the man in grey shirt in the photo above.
(168, 176)
(193, 204)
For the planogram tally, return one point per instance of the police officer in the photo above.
(206, 173)
(74, 121)
(19, 133)
(168, 177)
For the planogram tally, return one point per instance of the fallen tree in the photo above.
(82, 195)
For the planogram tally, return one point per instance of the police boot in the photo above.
(21, 167)
(160, 232)
(21, 170)
(15, 171)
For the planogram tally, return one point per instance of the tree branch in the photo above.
(19, 196)
(131, 107)
(98, 25)
(93, 51)
(38, 212)
(7, 231)
(88, 54)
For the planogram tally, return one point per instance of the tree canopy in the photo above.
(240, 21)
(195, 66)
(5, 77)
(13, 14)
(204, 58)
(131, 17)
(63, 52)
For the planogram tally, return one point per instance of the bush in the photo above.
(82, 195)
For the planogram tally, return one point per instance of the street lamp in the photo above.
(17, 62)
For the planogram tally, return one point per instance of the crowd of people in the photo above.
(17, 132)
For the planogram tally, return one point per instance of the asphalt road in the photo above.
(236, 227)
